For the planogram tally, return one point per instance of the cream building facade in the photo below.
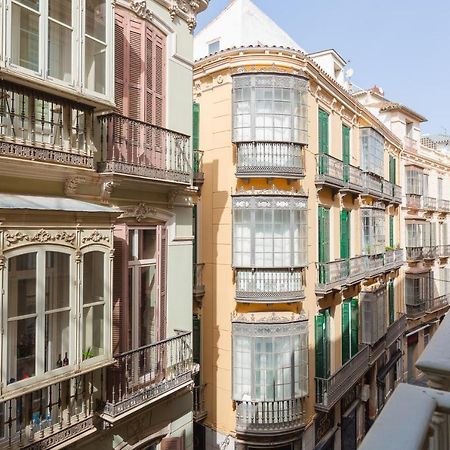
(96, 198)
(302, 316)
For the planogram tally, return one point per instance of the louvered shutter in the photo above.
(391, 231)
(162, 280)
(121, 31)
(323, 132)
(391, 302)
(119, 288)
(345, 234)
(345, 331)
(136, 70)
(320, 350)
(346, 152)
(354, 327)
(195, 126)
(160, 77)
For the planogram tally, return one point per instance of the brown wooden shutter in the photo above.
(160, 79)
(120, 288)
(136, 70)
(172, 443)
(121, 26)
(162, 280)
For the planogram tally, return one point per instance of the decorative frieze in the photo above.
(95, 237)
(41, 237)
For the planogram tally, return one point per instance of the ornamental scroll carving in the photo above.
(41, 237)
(140, 8)
(95, 237)
(140, 212)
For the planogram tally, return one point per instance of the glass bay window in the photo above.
(372, 151)
(373, 231)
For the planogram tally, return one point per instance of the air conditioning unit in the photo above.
(365, 392)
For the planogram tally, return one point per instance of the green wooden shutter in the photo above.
(322, 344)
(392, 169)
(354, 327)
(345, 331)
(195, 125)
(345, 234)
(391, 231)
(327, 343)
(323, 142)
(391, 294)
(324, 241)
(346, 152)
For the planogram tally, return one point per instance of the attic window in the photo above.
(214, 46)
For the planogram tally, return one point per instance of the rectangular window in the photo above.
(323, 132)
(345, 234)
(350, 329)
(414, 181)
(391, 295)
(346, 152)
(322, 347)
(214, 47)
(418, 288)
(392, 169)
(373, 307)
(265, 236)
(372, 151)
(373, 232)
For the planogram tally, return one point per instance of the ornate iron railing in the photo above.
(413, 201)
(269, 416)
(50, 416)
(429, 251)
(375, 264)
(414, 253)
(416, 310)
(395, 330)
(330, 171)
(372, 184)
(199, 408)
(352, 178)
(43, 127)
(331, 274)
(330, 390)
(444, 205)
(269, 285)
(199, 176)
(140, 376)
(444, 250)
(357, 267)
(397, 194)
(436, 303)
(429, 203)
(132, 147)
(270, 159)
(198, 285)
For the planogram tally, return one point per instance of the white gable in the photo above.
(241, 23)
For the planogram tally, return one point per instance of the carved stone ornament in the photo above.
(41, 237)
(140, 8)
(95, 237)
(139, 212)
(186, 9)
(71, 185)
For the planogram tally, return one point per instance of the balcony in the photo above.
(269, 416)
(429, 252)
(50, 416)
(416, 310)
(429, 203)
(395, 330)
(393, 259)
(356, 270)
(414, 253)
(330, 390)
(135, 148)
(373, 185)
(270, 159)
(352, 177)
(199, 409)
(269, 285)
(38, 127)
(375, 265)
(141, 376)
(444, 205)
(413, 201)
(331, 275)
(444, 251)
(436, 303)
(197, 283)
(199, 176)
(330, 172)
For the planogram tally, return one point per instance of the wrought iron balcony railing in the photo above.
(444, 250)
(375, 265)
(397, 194)
(199, 176)
(330, 390)
(414, 253)
(429, 252)
(269, 416)
(199, 408)
(436, 303)
(142, 375)
(269, 285)
(331, 275)
(357, 268)
(132, 147)
(41, 127)
(270, 159)
(429, 203)
(50, 416)
(416, 310)
(198, 285)
(352, 179)
(413, 201)
(330, 171)
(373, 185)
(395, 330)
(444, 205)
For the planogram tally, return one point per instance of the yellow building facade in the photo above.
(299, 236)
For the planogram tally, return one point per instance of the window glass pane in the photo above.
(95, 63)
(59, 51)
(96, 19)
(57, 280)
(147, 244)
(34, 4)
(93, 332)
(147, 306)
(93, 277)
(25, 38)
(22, 285)
(21, 349)
(60, 10)
(57, 340)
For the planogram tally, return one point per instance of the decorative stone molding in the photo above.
(140, 8)
(71, 185)
(41, 237)
(139, 212)
(107, 189)
(95, 237)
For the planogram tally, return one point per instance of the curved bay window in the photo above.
(270, 369)
(42, 310)
(373, 231)
(269, 246)
(270, 116)
(372, 151)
